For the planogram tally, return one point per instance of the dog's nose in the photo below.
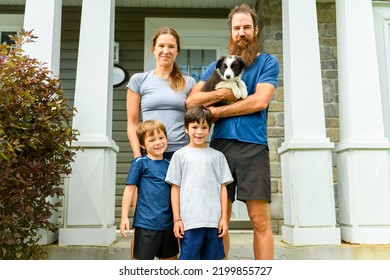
(228, 77)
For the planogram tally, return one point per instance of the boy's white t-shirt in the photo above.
(199, 172)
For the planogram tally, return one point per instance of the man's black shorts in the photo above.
(250, 167)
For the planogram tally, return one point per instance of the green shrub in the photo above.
(35, 153)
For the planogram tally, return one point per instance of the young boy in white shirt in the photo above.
(199, 175)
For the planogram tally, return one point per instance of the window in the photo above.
(5, 36)
(9, 25)
(193, 62)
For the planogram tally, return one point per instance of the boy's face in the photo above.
(198, 133)
(156, 144)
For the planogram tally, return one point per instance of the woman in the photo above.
(160, 94)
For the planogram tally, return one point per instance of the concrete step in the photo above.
(241, 249)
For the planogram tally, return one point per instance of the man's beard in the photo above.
(246, 48)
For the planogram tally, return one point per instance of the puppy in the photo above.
(227, 74)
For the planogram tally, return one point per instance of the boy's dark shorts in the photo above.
(154, 243)
(250, 168)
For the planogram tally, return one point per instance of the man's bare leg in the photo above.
(263, 242)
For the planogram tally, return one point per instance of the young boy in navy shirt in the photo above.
(153, 220)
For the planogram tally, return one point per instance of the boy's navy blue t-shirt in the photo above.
(153, 209)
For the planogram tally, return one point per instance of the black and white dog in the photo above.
(227, 74)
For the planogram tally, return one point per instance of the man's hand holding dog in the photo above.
(226, 95)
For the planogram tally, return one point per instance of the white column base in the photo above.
(366, 235)
(364, 193)
(308, 197)
(89, 200)
(87, 236)
(47, 237)
(310, 236)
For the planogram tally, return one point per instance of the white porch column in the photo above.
(363, 151)
(90, 196)
(306, 154)
(44, 16)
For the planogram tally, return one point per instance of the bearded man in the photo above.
(240, 130)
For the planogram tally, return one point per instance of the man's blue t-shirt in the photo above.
(248, 128)
(153, 210)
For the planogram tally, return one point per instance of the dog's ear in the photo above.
(241, 60)
(219, 62)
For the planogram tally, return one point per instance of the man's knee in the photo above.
(258, 212)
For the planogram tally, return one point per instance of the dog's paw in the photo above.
(237, 92)
(232, 85)
(222, 84)
(244, 91)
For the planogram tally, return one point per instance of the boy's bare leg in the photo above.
(135, 196)
(226, 239)
(168, 259)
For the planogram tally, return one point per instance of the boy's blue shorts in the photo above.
(201, 244)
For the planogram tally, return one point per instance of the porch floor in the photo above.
(241, 249)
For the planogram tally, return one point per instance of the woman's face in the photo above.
(165, 50)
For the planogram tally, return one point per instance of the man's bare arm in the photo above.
(253, 103)
(197, 96)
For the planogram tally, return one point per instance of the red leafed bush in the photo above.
(35, 153)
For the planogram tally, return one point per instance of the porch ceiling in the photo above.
(203, 4)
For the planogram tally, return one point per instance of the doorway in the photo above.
(202, 41)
